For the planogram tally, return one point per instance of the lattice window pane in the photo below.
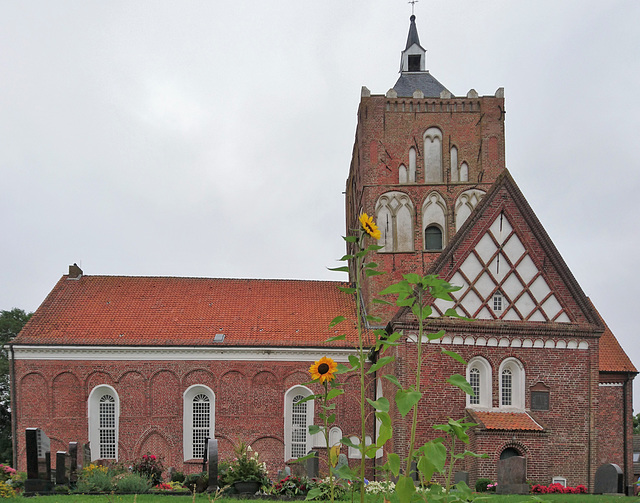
(107, 428)
(298, 428)
(201, 423)
(474, 381)
(507, 387)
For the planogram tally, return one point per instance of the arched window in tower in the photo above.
(479, 377)
(412, 165)
(434, 219)
(394, 218)
(433, 155)
(512, 387)
(402, 174)
(454, 165)
(464, 172)
(465, 204)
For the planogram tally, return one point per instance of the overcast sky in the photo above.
(213, 138)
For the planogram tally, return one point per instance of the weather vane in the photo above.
(413, 4)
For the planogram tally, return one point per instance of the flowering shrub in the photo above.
(6, 472)
(170, 486)
(92, 468)
(291, 486)
(149, 466)
(322, 489)
(95, 478)
(384, 487)
(558, 489)
(246, 467)
(492, 487)
(6, 491)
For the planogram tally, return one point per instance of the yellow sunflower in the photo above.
(323, 369)
(369, 226)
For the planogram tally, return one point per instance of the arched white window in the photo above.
(479, 376)
(465, 204)
(433, 155)
(298, 416)
(434, 221)
(198, 420)
(412, 165)
(464, 172)
(402, 174)
(454, 165)
(512, 384)
(104, 418)
(394, 216)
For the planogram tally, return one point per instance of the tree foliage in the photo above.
(11, 322)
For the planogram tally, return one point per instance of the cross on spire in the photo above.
(413, 5)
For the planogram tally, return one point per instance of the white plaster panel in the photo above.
(527, 343)
(511, 315)
(458, 340)
(572, 345)
(464, 172)
(551, 307)
(516, 343)
(538, 343)
(563, 318)
(500, 234)
(527, 269)
(471, 302)
(469, 341)
(499, 267)
(484, 314)
(471, 267)
(481, 341)
(537, 316)
(402, 174)
(550, 344)
(485, 248)
(404, 229)
(446, 339)
(514, 249)
(583, 345)
(492, 342)
(539, 289)
(458, 280)
(504, 343)
(561, 344)
(512, 286)
(485, 286)
(525, 304)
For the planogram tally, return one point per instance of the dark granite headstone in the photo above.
(414, 472)
(212, 456)
(313, 465)
(608, 479)
(512, 476)
(461, 477)
(38, 462)
(73, 462)
(62, 468)
(86, 456)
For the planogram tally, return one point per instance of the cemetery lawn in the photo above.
(202, 498)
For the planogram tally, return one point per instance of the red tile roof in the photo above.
(142, 311)
(505, 420)
(612, 356)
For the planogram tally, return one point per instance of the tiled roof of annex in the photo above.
(505, 420)
(170, 311)
(612, 357)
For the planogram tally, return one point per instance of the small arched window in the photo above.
(454, 164)
(394, 216)
(512, 384)
(433, 238)
(433, 155)
(479, 377)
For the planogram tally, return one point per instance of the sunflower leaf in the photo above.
(373, 319)
(343, 268)
(345, 258)
(380, 363)
(354, 361)
(455, 356)
(343, 369)
(374, 248)
(346, 289)
(350, 239)
(347, 441)
(314, 428)
(393, 379)
(372, 272)
(437, 335)
(334, 393)
(337, 338)
(382, 301)
(452, 313)
(307, 399)
(461, 382)
(380, 404)
(393, 463)
(336, 320)
(406, 399)
(371, 265)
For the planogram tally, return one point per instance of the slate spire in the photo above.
(413, 37)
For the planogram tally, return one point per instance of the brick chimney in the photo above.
(74, 272)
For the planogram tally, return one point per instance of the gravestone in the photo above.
(211, 452)
(313, 465)
(297, 469)
(608, 479)
(284, 473)
(38, 453)
(73, 463)
(413, 472)
(461, 477)
(342, 461)
(86, 456)
(512, 476)
(62, 468)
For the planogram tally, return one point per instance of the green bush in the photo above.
(177, 477)
(132, 483)
(481, 485)
(197, 482)
(95, 481)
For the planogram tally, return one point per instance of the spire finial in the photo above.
(413, 5)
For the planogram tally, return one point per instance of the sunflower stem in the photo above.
(362, 373)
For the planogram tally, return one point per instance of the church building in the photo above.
(157, 364)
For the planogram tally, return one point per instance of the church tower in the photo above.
(422, 160)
